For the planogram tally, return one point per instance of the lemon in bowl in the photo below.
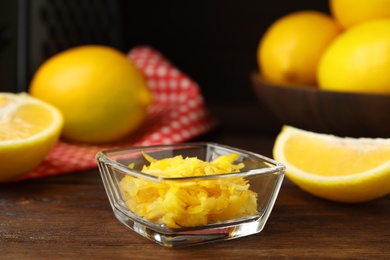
(358, 60)
(351, 95)
(349, 13)
(290, 49)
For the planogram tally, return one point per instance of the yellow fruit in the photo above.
(290, 49)
(351, 12)
(102, 95)
(28, 130)
(358, 60)
(335, 168)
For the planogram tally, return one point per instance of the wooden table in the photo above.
(69, 217)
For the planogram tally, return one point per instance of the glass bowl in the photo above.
(243, 212)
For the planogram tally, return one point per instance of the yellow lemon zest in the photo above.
(192, 202)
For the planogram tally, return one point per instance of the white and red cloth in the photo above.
(177, 115)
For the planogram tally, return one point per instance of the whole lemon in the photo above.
(358, 60)
(101, 94)
(290, 49)
(352, 12)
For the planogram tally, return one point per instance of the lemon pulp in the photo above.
(336, 168)
(28, 130)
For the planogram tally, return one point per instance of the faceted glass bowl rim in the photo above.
(274, 166)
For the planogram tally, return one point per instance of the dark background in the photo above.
(214, 42)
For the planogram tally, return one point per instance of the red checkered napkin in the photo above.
(177, 115)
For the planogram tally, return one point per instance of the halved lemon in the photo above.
(336, 168)
(29, 128)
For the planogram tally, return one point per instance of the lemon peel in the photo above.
(192, 202)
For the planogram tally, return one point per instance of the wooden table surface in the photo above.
(69, 217)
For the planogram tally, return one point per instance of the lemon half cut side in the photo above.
(336, 168)
(29, 128)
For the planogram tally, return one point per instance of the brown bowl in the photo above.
(330, 112)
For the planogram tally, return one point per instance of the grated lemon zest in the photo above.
(190, 203)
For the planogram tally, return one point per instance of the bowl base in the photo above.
(194, 237)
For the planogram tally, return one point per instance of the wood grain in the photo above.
(331, 112)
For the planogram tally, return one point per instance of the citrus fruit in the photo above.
(336, 168)
(101, 93)
(28, 130)
(351, 12)
(358, 60)
(290, 49)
